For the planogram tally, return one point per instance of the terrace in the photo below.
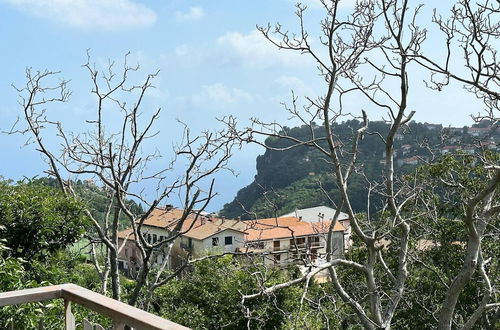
(123, 316)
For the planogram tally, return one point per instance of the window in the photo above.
(149, 238)
(215, 241)
(154, 238)
(190, 242)
(228, 240)
(276, 245)
(314, 240)
(277, 258)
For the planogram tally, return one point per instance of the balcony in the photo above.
(124, 316)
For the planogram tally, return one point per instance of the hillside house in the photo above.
(449, 149)
(415, 160)
(288, 240)
(433, 127)
(478, 131)
(201, 233)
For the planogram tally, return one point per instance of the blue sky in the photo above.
(211, 59)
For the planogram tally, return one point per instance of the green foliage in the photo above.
(38, 220)
(209, 297)
(292, 176)
(95, 198)
(450, 183)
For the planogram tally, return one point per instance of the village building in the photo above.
(280, 241)
(478, 131)
(200, 233)
(289, 240)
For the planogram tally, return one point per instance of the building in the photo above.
(478, 131)
(281, 241)
(317, 213)
(449, 149)
(199, 235)
(433, 127)
(415, 160)
(321, 213)
(288, 240)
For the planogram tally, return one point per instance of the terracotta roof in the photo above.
(126, 233)
(204, 228)
(283, 227)
(479, 129)
(165, 218)
(199, 227)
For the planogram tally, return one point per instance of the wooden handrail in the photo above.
(30, 295)
(119, 312)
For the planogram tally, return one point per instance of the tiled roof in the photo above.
(166, 218)
(126, 233)
(195, 227)
(283, 227)
(202, 229)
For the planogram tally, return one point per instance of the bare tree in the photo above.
(348, 43)
(473, 28)
(368, 54)
(113, 151)
(471, 35)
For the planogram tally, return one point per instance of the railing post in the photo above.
(118, 326)
(69, 318)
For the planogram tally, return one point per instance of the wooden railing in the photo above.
(122, 314)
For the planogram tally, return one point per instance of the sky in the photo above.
(212, 63)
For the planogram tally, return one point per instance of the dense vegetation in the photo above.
(300, 177)
(39, 226)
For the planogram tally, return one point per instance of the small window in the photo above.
(149, 238)
(190, 242)
(277, 258)
(154, 238)
(215, 241)
(228, 240)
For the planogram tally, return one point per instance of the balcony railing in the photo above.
(121, 313)
(308, 245)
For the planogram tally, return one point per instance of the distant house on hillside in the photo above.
(415, 160)
(454, 130)
(406, 148)
(449, 149)
(433, 126)
(288, 240)
(478, 131)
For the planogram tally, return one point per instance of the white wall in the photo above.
(238, 241)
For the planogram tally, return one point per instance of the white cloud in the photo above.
(193, 14)
(297, 85)
(219, 95)
(90, 14)
(254, 50)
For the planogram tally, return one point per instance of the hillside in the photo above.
(95, 197)
(300, 176)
